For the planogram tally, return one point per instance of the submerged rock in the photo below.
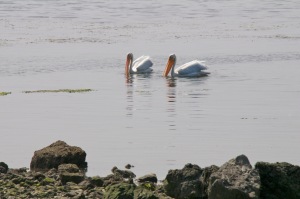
(56, 154)
(279, 180)
(235, 179)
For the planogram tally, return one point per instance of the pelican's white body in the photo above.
(142, 64)
(191, 69)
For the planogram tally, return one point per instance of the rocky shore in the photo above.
(58, 171)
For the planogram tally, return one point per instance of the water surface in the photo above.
(248, 105)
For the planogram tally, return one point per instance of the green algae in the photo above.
(4, 93)
(47, 181)
(61, 91)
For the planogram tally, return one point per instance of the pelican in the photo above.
(191, 69)
(142, 64)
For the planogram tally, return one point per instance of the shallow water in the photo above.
(248, 105)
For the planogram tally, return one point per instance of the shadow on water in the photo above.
(171, 103)
(137, 88)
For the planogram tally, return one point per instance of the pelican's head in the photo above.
(128, 62)
(171, 62)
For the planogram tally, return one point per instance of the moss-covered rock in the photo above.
(145, 191)
(119, 191)
(56, 154)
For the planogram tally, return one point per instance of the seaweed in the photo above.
(60, 91)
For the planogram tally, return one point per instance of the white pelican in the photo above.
(142, 64)
(191, 69)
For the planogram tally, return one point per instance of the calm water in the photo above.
(248, 105)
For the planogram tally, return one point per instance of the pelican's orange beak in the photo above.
(127, 66)
(128, 62)
(169, 65)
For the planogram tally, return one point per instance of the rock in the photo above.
(123, 173)
(97, 181)
(279, 180)
(148, 178)
(3, 167)
(234, 179)
(128, 166)
(204, 179)
(70, 173)
(71, 168)
(185, 183)
(119, 191)
(145, 192)
(112, 179)
(39, 176)
(56, 154)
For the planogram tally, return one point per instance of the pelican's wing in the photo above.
(191, 68)
(142, 63)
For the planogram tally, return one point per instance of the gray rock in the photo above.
(235, 179)
(56, 154)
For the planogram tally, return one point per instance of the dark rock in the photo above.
(234, 179)
(97, 181)
(128, 166)
(185, 183)
(148, 178)
(279, 180)
(3, 167)
(56, 154)
(123, 173)
(120, 191)
(204, 179)
(242, 160)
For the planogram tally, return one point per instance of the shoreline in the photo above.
(59, 171)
